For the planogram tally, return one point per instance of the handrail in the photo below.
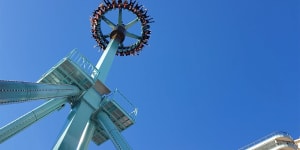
(124, 103)
(84, 64)
(264, 138)
(81, 61)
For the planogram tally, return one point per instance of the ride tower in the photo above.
(95, 114)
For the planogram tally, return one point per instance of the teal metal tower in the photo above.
(95, 115)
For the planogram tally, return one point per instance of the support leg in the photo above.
(79, 129)
(113, 132)
(30, 118)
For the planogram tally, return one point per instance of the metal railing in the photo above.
(83, 63)
(264, 138)
(124, 103)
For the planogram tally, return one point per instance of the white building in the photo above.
(274, 141)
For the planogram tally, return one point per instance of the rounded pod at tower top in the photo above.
(102, 39)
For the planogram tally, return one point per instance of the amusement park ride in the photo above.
(95, 115)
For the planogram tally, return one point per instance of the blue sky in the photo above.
(218, 74)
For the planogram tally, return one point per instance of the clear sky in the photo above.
(218, 74)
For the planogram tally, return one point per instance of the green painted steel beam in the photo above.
(112, 131)
(79, 128)
(106, 59)
(31, 117)
(16, 91)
